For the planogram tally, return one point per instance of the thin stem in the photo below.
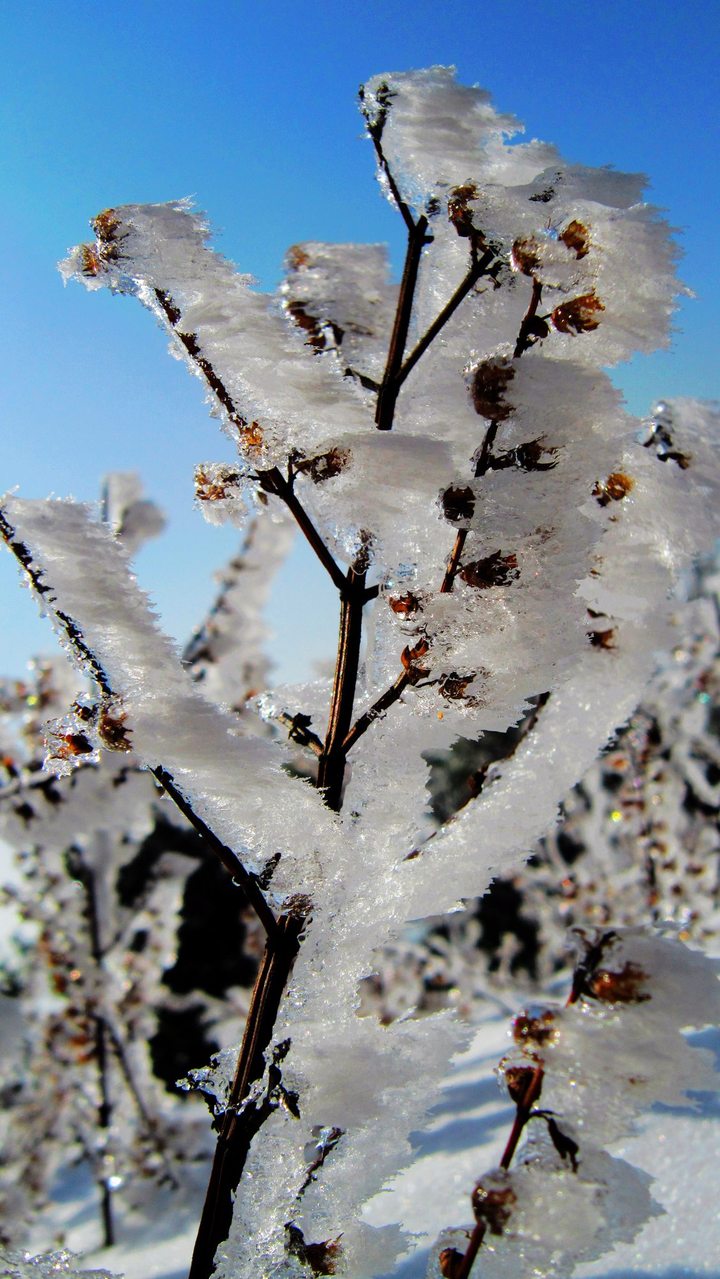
(331, 772)
(523, 1112)
(476, 271)
(86, 876)
(378, 708)
(229, 859)
(271, 480)
(24, 557)
(241, 1122)
(299, 731)
(524, 334)
(390, 386)
(151, 1126)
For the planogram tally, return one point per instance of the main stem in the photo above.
(331, 771)
(391, 383)
(243, 1118)
(100, 1035)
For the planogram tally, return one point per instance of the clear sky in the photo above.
(250, 107)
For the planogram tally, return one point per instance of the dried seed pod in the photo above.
(458, 212)
(405, 605)
(493, 1204)
(622, 987)
(526, 255)
(613, 489)
(457, 504)
(580, 315)
(489, 383)
(576, 236)
(324, 466)
(493, 570)
(535, 1028)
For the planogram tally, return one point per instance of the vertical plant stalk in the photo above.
(390, 385)
(86, 876)
(523, 1112)
(243, 1118)
(331, 771)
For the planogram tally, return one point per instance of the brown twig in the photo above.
(378, 708)
(477, 270)
(523, 1113)
(230, 860)
(243, 1117)
(331, 772)
(271, 480)
(390, 385)
(86, 877)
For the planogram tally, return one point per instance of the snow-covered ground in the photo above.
(680, 1149)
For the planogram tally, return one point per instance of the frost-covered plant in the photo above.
(505, 546)
(579, 1077)
(136, 948)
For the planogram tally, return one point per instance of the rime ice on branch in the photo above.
(466, 475)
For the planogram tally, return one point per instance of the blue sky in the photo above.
(251, 108)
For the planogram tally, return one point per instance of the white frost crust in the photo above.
(236, 785)
(440, 135)
(270, 373)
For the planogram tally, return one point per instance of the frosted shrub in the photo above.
(506, 543)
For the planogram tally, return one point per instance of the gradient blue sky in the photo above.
(251, 108)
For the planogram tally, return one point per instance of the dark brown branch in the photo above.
(86, 876)
(524, 1110)
(525, 334)
(229, 859)
(481, 467)
(390, 385)
(271, 480)
(378, 708)
(299, 731)
(240, 1121)
(477, 270)
(331, 772)
(522, 344)
(75, 636)
(375, 132)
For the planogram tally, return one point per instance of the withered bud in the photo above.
(449, 1263)
(492, 1206)
(613, 489)
(623, 987)
(310, 324)
(603, 639)
(405, 605)
(324, 466)
(490, 381)
(410, 658)
(106, 225)
(535, 1028)
(576, 236)
(526, 255)
(453, 686)
(458, 212)
(580, 315)
(89, 260)
(112, 731)
(215, 483)
(517, 1081)
(297, 257)
(458, 504)
(493, 570)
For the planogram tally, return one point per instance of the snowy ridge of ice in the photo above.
(236, 784)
